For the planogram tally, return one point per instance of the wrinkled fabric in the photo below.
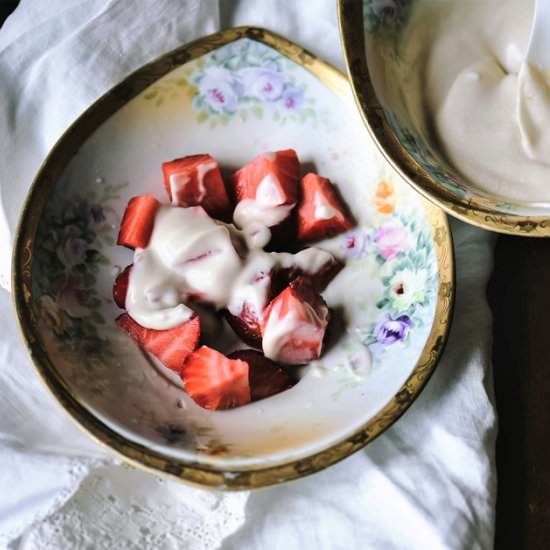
(428, 482)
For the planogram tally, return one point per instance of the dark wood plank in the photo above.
(6, 7)
(519, 295)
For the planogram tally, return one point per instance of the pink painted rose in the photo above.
(393, 239)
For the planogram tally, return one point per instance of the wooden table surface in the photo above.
(519, 296)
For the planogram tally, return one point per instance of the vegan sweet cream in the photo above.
(470, 58)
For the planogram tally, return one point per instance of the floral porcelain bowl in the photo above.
(233, 94)
(381, 80)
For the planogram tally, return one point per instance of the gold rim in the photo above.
(352, 36)
(136, 454)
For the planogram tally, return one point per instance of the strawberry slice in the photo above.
(120, 288)
(171, 346)
(325, 268)
(266, 378)
(138, 221)
(254, 290)
(196, 180)
(215, 382)
(246, 325)
(266, 189)
(321, 212)
(282, 165)
(294, 324)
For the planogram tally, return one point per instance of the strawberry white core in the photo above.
(322, 209)
(266, 208)
(179, 181)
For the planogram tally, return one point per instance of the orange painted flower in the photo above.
(384, 197)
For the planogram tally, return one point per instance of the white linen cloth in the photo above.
(428, 482)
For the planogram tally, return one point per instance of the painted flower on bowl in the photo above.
(389, 330)
(408, 287)
(52, 315)
(384, 197)
(71, 250)
(97, 214)
(264, 83)
(355, 243)
(385, 13)
(220, 90)
(73, 296)
(292, 97)
(393, 239)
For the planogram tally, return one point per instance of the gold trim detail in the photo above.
(134, 453)
(352, 36)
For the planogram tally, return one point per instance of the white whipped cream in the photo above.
(189, 253)
(490, 111)
(192, 255)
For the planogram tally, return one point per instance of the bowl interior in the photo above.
(389, 82)
(391, 302)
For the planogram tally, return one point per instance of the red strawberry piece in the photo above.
(282, 165)
(319, 279)
(294, 324)
(258, 288)
(171, 346)
(120, 288)
(271, 181)
(197, 180)
(138, 221)
(215, 382)
(266, 378)
(246, 326)
(321, 212)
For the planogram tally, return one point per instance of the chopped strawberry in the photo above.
(294, 324)
(252, 293)
(321, 212)
(138, 221)
(266, 378)
(171, 346)
(326, 267)
(246, 326)
(196, 180)
(282, 165)
(266, 189)
(215, 382)
(120, 288)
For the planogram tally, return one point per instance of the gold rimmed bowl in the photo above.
(395, 293)
(383, 84)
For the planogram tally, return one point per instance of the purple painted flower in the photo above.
(72, 251)
(292, 98)
(97, 214)
(354, 243)
(264, 83)
(391, 330)
(393, 239)
(220, 90)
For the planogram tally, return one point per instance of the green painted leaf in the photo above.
(202, 117)
(97, 317)
(257, 111)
